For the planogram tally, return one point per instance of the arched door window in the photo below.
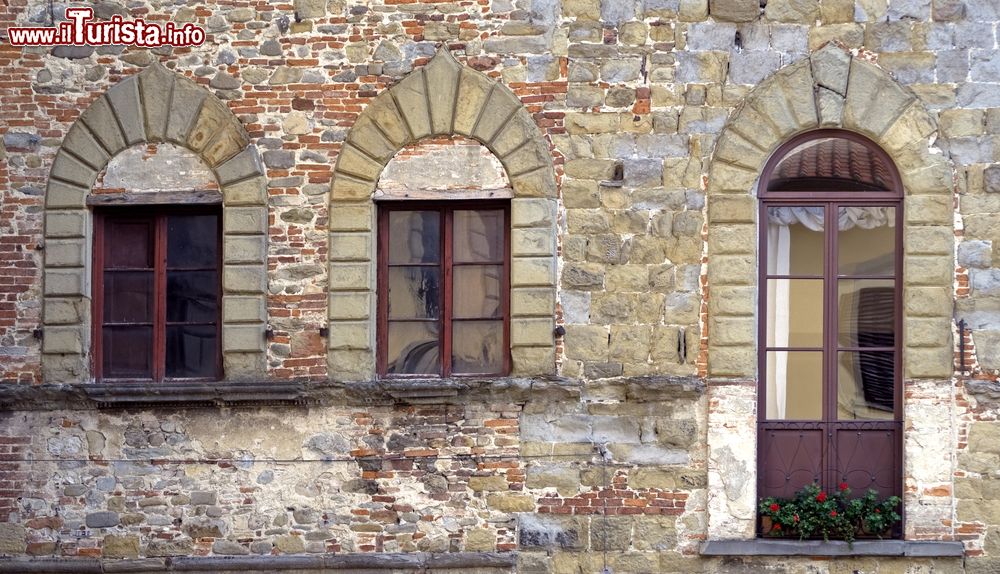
(830, 295)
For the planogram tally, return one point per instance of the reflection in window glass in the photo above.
(477, 347)
(795, 240)
(794, 385)
(413, 348)
(794, 312)
(414, 292)
(866, 240)
(865, 385)
(414, 237)
(478, 236)
(867, 312)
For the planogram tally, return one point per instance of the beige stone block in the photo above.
(914, 125)
(929, 362)
(123, 97)
(244, 279)
(730, 331)
(244, 248)
(731, 209)
(729, 178)
(928, 270)
(82, 144)
(511, 502)
(350, 365)
(350, 246)
(66, 282)
(874, 100)
(587, 342)
(411, 99)
(533, 271)
(533, 332)
(736, 149)
(156, 85)
(244, 221)
(532, 155)
(474, 88)
(354, 162)
(231, 139)
(538, 183)
(533, 242)
(592, 123)
(347, 305)
(836, 11)
(830, 106)
(925, 331)
(929, 240)
(532, 212)
(927, 301)
(929, 210)
(384, 113)
(931, 174)
(251, 191)
(630, 343)
(731, 270)
(732, 238)
(353, 335)
(243, 309)
(366, 136)
(65, 310)
(528, 302)
(101, 120)
(533, 361)
(67, 223)
(350, 277)
(66, 339)
(515, 133)
(664, 345)
(732, 301)
(61, 195)
(442, 73)
(242, 338)
(850, 35)
(352, 216)
(681, 173)
(731, 361)
(66, 253)
(958, 123)
(498, 109)
(213, 118)
(582, 9)
(185, 104)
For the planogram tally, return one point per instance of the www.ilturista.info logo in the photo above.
(81, 30)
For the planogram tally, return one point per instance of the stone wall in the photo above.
(626, 442)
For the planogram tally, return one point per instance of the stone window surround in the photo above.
(467, 103)
(830, 89)
(153, 106)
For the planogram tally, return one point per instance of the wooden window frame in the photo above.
(159, 216)
(446, 210)
(822, 194)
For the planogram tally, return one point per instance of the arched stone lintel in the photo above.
(442, 98)
(153, 106)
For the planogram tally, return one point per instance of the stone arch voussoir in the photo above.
(442, 98)
(153, 106)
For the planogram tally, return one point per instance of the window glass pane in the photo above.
(127, 352)
(794, 312)
(192, 296)
(795, 240)
(794, 385)
(414, 292)
(478, 236)
(867, 312)
(832, 164)
(414, 237)
(128, 243)
(477, 347)
(413, 348)
(192, 241)
(128, 296)
(865, 388)
(191, 351)
(866, 240)
(476, 291)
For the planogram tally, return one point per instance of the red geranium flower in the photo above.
(877, 511)
(842, 486)
(776, 527)
(833, 513)
(795, 518)
(775, 508)
(821, 497)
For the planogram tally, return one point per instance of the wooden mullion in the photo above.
(447, 292)
(160, 298)
(382, 292)
(97, 317)
(505, 291)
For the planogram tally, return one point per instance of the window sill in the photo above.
(762, 547)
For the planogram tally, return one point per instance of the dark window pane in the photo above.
(127, 352)
(865, 388)
(129, 243)
(794, 312)
(867, 312)
(476, 291)
(128, 296)
(795, 240)
(192, 241)
(413, 348)
(192, 296)
(794, 385)
(414, 292)
(478, 236)
(414, 237)
(866, 241)
(477, 347)
(191, 351)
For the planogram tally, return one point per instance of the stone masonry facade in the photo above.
(628, 137)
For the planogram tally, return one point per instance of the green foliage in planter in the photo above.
(813, 512)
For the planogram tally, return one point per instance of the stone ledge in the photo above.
(320, 563)
(297, 393)
(760, 547)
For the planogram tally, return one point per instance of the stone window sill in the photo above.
(762, 547)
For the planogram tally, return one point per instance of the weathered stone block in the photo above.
(244, 221)
(242, 338)
(350, 276)
(245, 164)
(929, 210)
(66, 253)
(243, 309)
(975, 254)
(532, 212)
(72, 170)
(66, 282)
(347, 305)
(354, 335)
(532, 271)
(929, 362)
(734, 10)
(351, 217)
(536, 332)
(244, 279)
(927, 301)
(731, 361)
(247, 192)
(532, 302)
(350, 247)
(533, 361)
(244, 248)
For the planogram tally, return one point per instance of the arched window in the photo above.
(830, 323)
